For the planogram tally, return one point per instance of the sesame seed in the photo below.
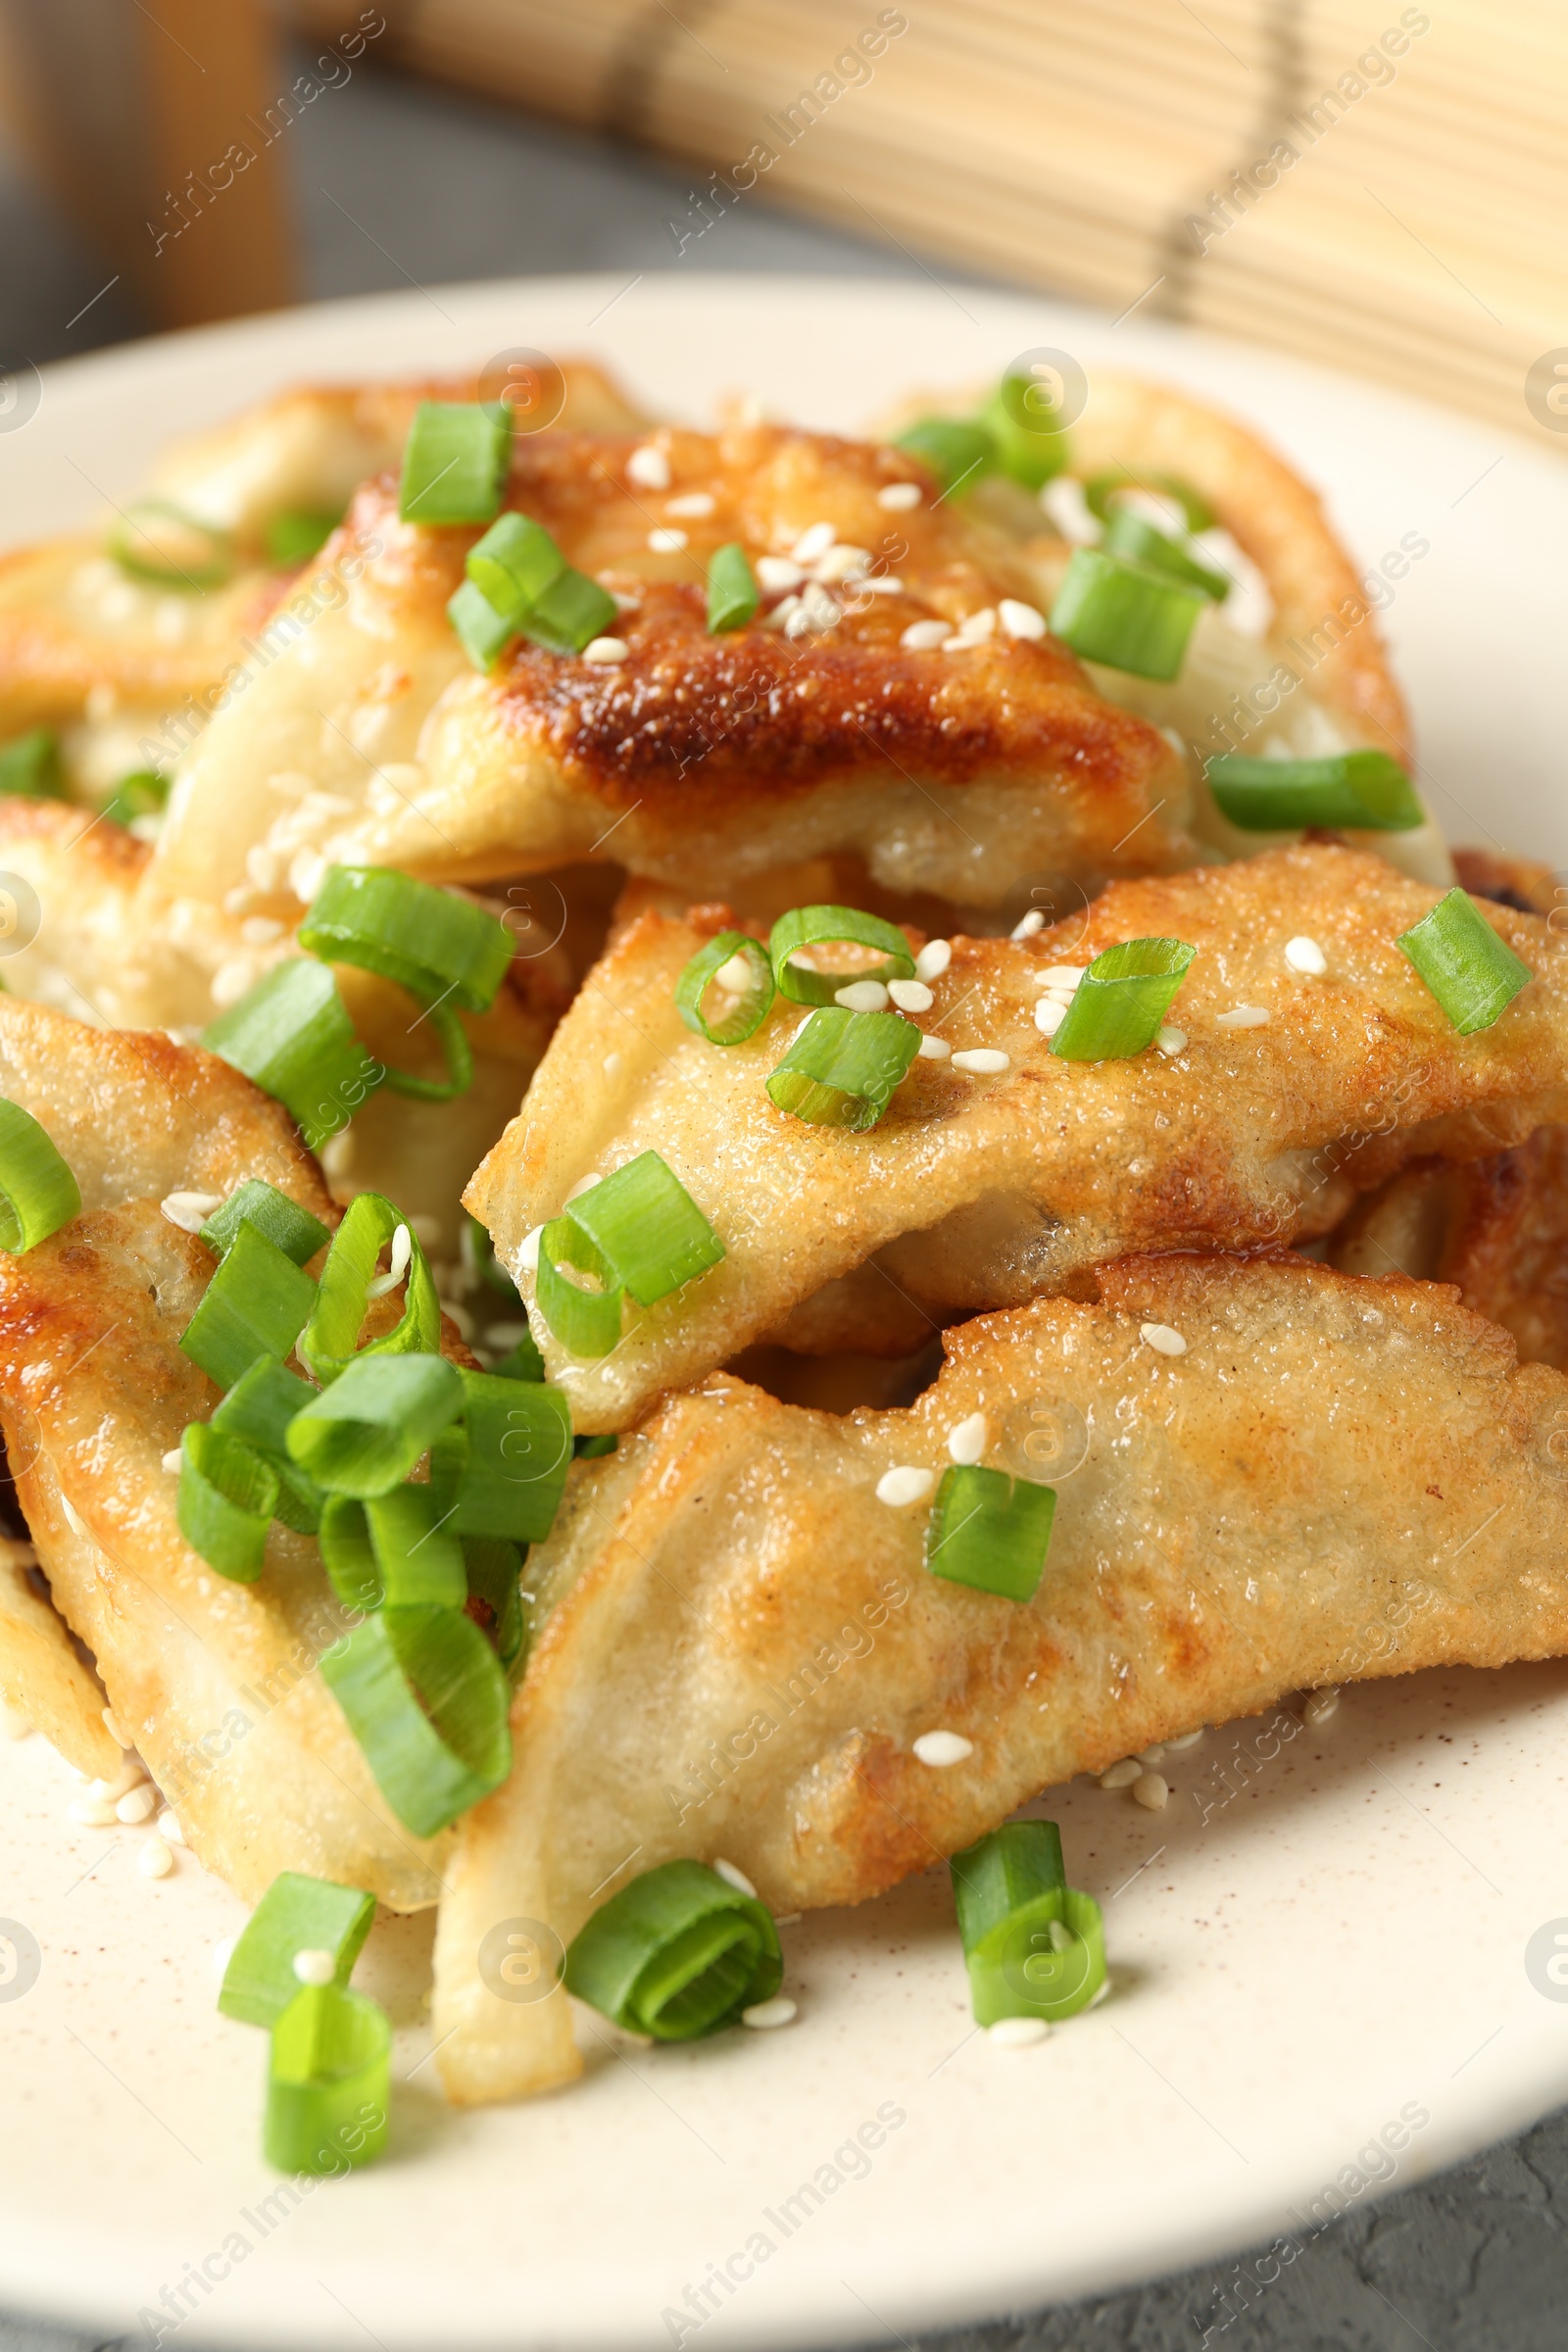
(156, 1860)
(1154, 1753)
(967, 1439)
(899, 496)
(813, 544)
(765, 2016)
(905, 1484)
(222, 1954)
(736, 1877)
(168, 1826)
(93, 1812)
(113, 1727)
(1303, 954)
(910, 996)
(606, 652)
(1151, 1791)
(1064, 976)
(1187, 1739)
(648, 468)
(584, 1184)
(397, 1265)
(734, 977)
(1242, 1016)
(983, 1061)
(1021, 620)
(1122, 1775)
(976, 628)
(190, 1210)
(842, 562)
(939, 1750)
(1171, 1040)
(933, 1049)
(13, 1723)
(924, 636)
(260, 930)
(528, 1254)
(861, 996)
(315, 1966)
(880, 583)
(1017, 2032)
(1162, 1339)
(612, 1062)
(1050, 1013)
(668, 540)
(695, 503)
(787, 1919)
(1319, 1705)
(137, 1805)
(933, 960)
(79, 1527)
(775, 573)
(174, 1460)
(820, 608)
(1028, 925)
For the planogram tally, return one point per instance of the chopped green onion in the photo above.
(158, 543)
(417, 1549)
(292, 1037)
(328, 2082)
(257, 1409)
(296, 1914)
(746, 1007)
(226, 1501)
(1025, 424)
(1359, 791)
(586, 1322)
(990, 1531)
(1128, 534)
(1119, 1004)
(522, 1362)
(29, 765)
(495, 1570)
(37, 1191)
(571, 612)
(679, 1954)
(590, 1449)
(511, 1470)
(293, 1228)
(733, 594)
(298, 533)
(514, 564)
(429, 941)
(959, 451)
(331, 1338)
(1033, 1946)
(842, 1067)
(426, 1697)
(1125, 615)
(1102, 488)
(348, 1555)
(257, 1303)
(482, 632)
(363, 1435)
(805, 927)
(143, 793)
(647, 1228)
(454, 463)
(1472, 973)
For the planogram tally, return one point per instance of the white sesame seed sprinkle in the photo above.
(735, 977)
(910, 996)
(190, 1210)
(904, 1485)
(1122, 1775)
(933, 960)
(933, 1049)
(1162, 1339)
(1017, 2032)
(735, 1877)
(1242, 1016)
(222, 1954)
(79, 1527)
(612, 1061)
(156, 1859)
(14, 1724)
(528, 1254)
(975, 627)
(777, 573)
(1027, 926)
(1020, 620)
(813, 543)
(137, 1805)
(667, 540)
(898, 497)
(879, 583)
(1150, 1790)
(861, 996)
(1319, 1705)
(92, 1812)
(397, 1267)
(174, 1460)
(982, 1061)
(924, 636)
(1064, 975)
(967, 1439)
(1050, 1013)
(315, 1966)
(606, 653)
(1171, 1041)
(787, 1919)
(693, 503)
(939, 1750)
(842, 563)
(168, 1826)
(648, 468)
(116, 1729)
(1154, 1753)
(764, 2017)
(1187, 1739)
(1303, 954)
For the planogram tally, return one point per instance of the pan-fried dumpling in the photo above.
(42, 1677)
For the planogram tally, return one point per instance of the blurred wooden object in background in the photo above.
(152, 129)
(1384, 188)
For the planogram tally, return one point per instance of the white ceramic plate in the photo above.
(1318, 1948)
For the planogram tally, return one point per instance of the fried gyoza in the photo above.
(212, 1679)
(979, 1192)
(741, 1643)
(41, 1675)
(699, 759)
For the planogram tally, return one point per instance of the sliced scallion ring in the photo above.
(515, 563)
(495, 1569)
(1033, 1946)
(1031, 440)
(733, 594)
(1125, 615)
(1128, 533)
(482, 632)
(291, 1227)
(348, 1555)
(1350, 791)
(328, 2082)
(143, 793)
(292, 1037)
(425, 1699)
(1473, 973)
(586, 1322)
(417, 1549)
(429, 941)
(1119, 1004)
(809, 927)
(256, 1305)
(677, 1955)
(571, 612)
(39, 1194)
(258, 1411)
(156, 542)
(647, 1228)
(455, 461)
(990, 1531)
(331, 1338)
(1101, 489)
(740, 1012)
(454, 1042)
(959, 451)
(296, 1914)
(363, 1435)
(843, 1068)
(517, 1452)
(297, 533)
(29, 765)
(224, 1502)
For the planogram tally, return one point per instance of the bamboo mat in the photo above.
(1412, 224)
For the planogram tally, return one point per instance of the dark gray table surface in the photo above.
(1473, 2262)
